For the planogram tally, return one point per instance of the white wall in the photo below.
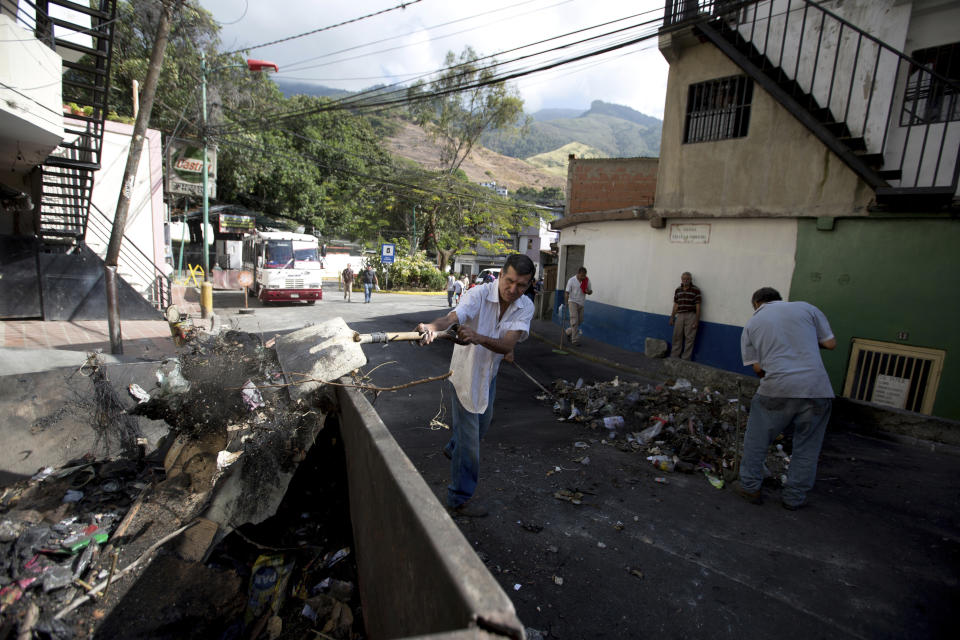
(634, 266)
(144, 225)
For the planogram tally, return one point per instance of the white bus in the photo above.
(285, 266)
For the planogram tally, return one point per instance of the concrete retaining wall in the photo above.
(418, 575)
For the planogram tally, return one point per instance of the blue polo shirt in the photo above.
(784, 339)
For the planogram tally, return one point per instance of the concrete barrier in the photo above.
(418, 575)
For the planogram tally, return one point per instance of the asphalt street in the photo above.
(874, 554)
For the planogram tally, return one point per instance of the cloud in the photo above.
(402, 44)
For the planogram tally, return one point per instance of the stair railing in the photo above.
(136, 267)
(851, 80)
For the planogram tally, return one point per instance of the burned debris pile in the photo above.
(674, 425)
(236, 526)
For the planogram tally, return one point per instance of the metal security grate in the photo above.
(718, 109)
(894, 375)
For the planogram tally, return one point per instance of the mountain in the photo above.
(615, 130)
(554, 114)
(295, 88)
(555, 162)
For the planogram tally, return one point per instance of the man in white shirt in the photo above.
(451, 289)
(574, 295)
(493, 318)
(782, 342)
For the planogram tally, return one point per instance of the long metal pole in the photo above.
(206, 289)
(130, 176)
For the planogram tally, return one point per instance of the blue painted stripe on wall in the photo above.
(718, 345)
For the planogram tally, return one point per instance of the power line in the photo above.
(398, 96)
(411, 44)
(402, 5)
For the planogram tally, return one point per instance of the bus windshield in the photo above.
(305, 251)
(279, 254)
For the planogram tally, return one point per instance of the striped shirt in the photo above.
(687, 300)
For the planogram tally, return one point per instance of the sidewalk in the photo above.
(149, 339)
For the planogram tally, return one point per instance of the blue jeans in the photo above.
(367, 288)
(464, 447)
(769, 417)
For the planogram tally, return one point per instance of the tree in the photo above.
(462, 103)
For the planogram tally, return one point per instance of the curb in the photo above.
(598, 359)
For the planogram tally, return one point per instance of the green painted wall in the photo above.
(874, 278)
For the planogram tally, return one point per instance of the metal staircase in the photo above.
(890, 118)
(82, 33)
(134, 266)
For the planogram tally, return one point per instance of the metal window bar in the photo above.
(718, 109)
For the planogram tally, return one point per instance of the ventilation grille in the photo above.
(894, 375)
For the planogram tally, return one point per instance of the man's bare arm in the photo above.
(757, 369)
(502, 345)
(830, 344)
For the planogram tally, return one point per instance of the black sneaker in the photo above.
(469, 509)
(753, 497)
(791, 507)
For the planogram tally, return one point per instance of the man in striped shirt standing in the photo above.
(685, 317)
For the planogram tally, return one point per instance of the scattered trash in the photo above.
(580, 444)
(171, 379)
(613, 422)
(585, 460)
(601, 545)
(251, 396)
(661, 480)
(73, 495)
(635, 572)
(676, 426)
(557, 580)
(227, 458)
(714, 479)
(533, 528)
(516, 587)
(137, 392)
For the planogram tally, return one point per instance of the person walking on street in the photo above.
(574, 296)
(348, 277)
(782, 342)
(369, 280)
(451, 288)
(685, 317)
(458, 286)
(493, 318)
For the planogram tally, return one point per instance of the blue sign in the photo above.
(387, 252)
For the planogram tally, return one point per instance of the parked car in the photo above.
(483, 274)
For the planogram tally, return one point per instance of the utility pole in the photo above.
(130, 175)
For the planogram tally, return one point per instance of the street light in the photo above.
(206, 288)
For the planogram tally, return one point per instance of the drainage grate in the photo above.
(894, 375)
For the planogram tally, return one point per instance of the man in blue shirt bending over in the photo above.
(782, 341)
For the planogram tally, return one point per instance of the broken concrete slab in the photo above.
(53, 416)
(318, 353)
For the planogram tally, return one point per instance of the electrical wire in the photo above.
(397, 97)
(402, 5)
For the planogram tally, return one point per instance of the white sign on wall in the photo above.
(690, 233)
(890, 391)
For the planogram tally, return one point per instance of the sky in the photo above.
(400, 45)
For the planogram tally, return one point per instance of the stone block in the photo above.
(655, 348)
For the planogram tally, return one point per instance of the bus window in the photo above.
(305, 252)
(279, 254)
